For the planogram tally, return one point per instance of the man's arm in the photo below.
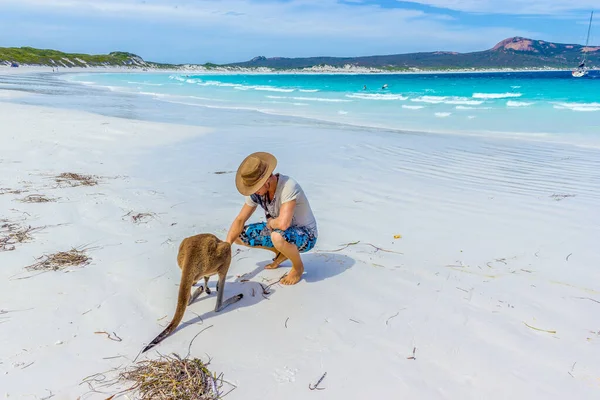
(238, 223)
(286, 213)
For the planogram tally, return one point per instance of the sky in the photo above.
(199, 31)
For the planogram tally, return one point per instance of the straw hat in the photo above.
(254, 171)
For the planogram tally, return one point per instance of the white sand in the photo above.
(484, 248)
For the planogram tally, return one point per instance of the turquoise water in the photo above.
(540, 104)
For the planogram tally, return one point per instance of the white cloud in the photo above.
(307, 18)
(259, 27)
(511, 7)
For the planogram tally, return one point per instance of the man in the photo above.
(291, 227)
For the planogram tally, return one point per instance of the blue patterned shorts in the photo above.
(259, 235)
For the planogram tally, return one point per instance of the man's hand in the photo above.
(238, 223)
(284, 220)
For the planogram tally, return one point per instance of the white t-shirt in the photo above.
(287, 190)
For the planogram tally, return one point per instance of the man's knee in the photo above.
(277, 239)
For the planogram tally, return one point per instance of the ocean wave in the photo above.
(341, 116)
(446, 100)
(512, 103)
(515, 87)
(154, 94)
(442, 114)
(585, 107)
(145, 83)
(412, 107)
(165, 96)
(260, 88)
(200, 82)
(376, 96)
(237, 86)
(287, 102)
(430, 99)
(465, 102)
(322, 99)
(472, 108)
(120, 89)
(495, 95)
(308, 90)
(311, 99)
(272, 89)
(224, 107)
(206, 98)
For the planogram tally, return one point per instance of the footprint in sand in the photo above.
(285, 375)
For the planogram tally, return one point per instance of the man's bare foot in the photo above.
(276, 262)
(293, 276)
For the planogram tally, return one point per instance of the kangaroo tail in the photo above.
(183, 298)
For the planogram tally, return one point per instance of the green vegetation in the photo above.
(512, 53)
(31, 56)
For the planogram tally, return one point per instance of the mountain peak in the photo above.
(517, 43)
(513, 52)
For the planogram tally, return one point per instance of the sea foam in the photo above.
(311, 99)
(376, 96)
(446, 100)
(496, 95)
(512, 103)
(585, 107)
(412, 107)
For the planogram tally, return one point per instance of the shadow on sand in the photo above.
(317, 267)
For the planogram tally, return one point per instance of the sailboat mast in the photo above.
(587, 41)
(581, 69)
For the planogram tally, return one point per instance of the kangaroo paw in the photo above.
(196, 294)
(230, 301)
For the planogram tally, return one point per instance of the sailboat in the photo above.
(582, 69)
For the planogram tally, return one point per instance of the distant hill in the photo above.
(515, 52)
(54, 58)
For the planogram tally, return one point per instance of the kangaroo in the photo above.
(199, 256)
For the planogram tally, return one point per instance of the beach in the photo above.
(448, 266)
